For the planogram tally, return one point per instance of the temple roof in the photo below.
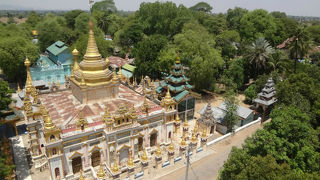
(57, 48)
(64, 108)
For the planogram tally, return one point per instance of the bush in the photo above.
(250, 93)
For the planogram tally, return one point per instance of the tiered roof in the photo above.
(266, 97)
(177, 82)
(207, 117)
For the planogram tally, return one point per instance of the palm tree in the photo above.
(300, 45)
(259, 53)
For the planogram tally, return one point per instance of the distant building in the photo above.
(54, 66)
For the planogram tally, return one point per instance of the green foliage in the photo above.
(315, 58)
(5, 95)
(226, 41)
(314, 32)
(146, 55)
(231, 115)
(259, 54)
(33, 19)
(215, 24)
(202, 6)
(13, 52)
(129, 35)
(162, 18)
(258, 23)
(104, 5)
(49, 32)
(234, 16)
(81, 23)
(5, 170)
(236, 72)
(250, 93)
(71, 17)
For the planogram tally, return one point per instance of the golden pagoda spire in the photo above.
(27, 106)
(75, 67)
(115, 168)
(120, 74)
(183, 140)
(27, 63)
(204, 133)
(171, 146)
(115, 79)
(19, 89)
(81, 176)
(48, 125)
(178, 118)
(185, 124)
(158, 152)
(92, 52)
(101, 173)
(178, 58)
(130, 160)
(194, 138)
(133, 114)
(144, 156)
(82, 122)
(195, 130)
(107, 118)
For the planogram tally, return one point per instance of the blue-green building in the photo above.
(53, 66)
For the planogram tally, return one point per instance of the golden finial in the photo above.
(194, 138)
(107, 118)
(82, 122)
(58, 83)
(18, 90)
(101, 173)
(133, 114)
(27, 63)
(185, 124)
(92, 52)
(158, 152)
(171, 147)
(107, 61)
(195, 130)
(115, 79)
(130, 160)
(81, 176)
(183, 140)
(144, 156)
(204, 133)
(75, 53)
(27, 106)
(120, 74)
(83, 82)
(48, 125)
(178, 58)
(178, 118)
(115, 168)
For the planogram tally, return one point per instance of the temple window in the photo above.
(54, 151)
(119, 122)
(52, 137)
(127, 120)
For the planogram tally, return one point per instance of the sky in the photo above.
(290, 7)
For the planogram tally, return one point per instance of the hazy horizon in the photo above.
(290, 7)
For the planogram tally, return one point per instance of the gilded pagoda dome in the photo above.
(93, 68)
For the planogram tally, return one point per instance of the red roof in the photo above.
(116, 62)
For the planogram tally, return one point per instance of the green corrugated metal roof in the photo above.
(57, 48)
(181, 95)
(45, 61)
(129, 67)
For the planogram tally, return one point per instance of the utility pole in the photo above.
(188, 161)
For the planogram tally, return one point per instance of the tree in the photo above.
(49, 32)
(71, 16)
(226, 41)
(236, 72)
(13, 52)
(231, 115)
(33, 19)
(234, 16)
(314, 32)
(5, 95)
(315, 58)
(196, 47)
(250, 93)
(259, 53)
(81, 23)
(11, 20)
(300, 45)
(202, 6)
(130, 35)
(5, 170)
(258, 23)
(104, 5)
(146, 56)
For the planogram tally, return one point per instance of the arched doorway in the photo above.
(140, 143)
(76, 164)
(153, 139)
(124, 154)
(95, 158)
(212, 130)
(169, 136)
(57, 173)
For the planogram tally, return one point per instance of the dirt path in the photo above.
(208, 167)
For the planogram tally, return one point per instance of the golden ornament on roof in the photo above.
(171, 146)
(101, 173)
(81, 176)
(115, 79)
(178, 118)
(183, 141)
(194, 138)
(75, 52)
(130, 160)
(120, 76)
(144, 156)
(158, 152)
(115, 168)
(185, 124)
(204, 133)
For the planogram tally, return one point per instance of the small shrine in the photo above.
(266, 98)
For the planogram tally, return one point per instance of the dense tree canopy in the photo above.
(5, 95)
